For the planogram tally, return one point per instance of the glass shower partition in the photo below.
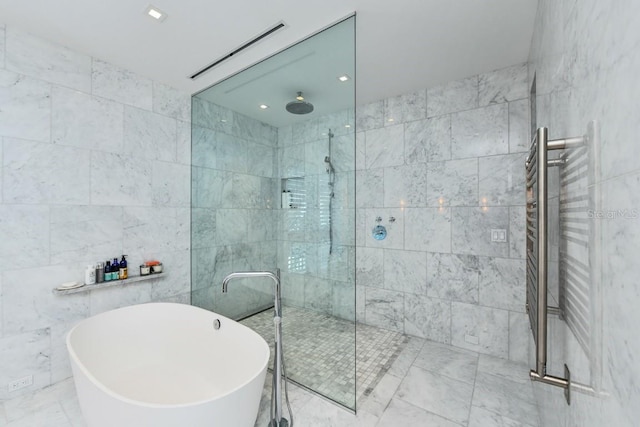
(276, 190)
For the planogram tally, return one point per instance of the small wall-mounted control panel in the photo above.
(499, 235)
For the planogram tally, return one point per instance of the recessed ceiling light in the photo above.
(344, 78)
(264, 106)
(390, 120)
(156, 13)
(347, 126)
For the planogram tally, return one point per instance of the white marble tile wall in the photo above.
(234, 225)
(94, 163)
(585, 58)
(446, 162)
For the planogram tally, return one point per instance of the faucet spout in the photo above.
(254, 274)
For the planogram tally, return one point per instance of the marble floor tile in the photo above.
(449, 361)
(509, 398)
(441, 395)
(518, 372)
(400, 413)
(482, 418)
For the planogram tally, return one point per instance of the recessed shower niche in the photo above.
(273, 187)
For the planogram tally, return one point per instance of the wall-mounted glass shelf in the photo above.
(109, 284)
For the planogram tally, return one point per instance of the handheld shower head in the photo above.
(328, 165)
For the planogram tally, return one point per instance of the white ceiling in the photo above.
(402, 45)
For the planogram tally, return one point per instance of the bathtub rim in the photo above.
(108, 391)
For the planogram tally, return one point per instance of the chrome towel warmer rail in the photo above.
(536, 239)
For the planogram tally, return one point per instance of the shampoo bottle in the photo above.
(123, 268)
(115, 269)
(107, 271)
(90, 275)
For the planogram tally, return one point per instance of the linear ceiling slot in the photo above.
(244, 46)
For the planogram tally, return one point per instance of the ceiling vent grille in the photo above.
(243, 47)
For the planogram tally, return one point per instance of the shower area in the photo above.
(273, 188)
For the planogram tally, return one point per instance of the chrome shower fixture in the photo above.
(299, 106)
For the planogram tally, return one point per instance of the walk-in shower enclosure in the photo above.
(276, 190)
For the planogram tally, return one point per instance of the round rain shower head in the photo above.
(299, 106)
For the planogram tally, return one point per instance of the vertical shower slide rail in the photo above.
(536, 260)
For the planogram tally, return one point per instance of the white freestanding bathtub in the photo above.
(165, 365)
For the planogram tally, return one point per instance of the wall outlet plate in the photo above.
(499, 235)
(20, 383)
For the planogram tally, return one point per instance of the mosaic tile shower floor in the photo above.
(319, 351)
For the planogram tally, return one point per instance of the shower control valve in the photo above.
(378, 219)
(392, 219)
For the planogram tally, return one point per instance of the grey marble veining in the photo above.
(117, 84)
(517, 244)
(519, 126)
(448, 361)
(459, 95)
(405, 186)
(149, 135)
(405, 108)
(170, 184)
(480, 132)
(118, 180)
(384, 147)
(402, 413)
(232, 226)
(452, 183)
(427, 317)
(428, 140)
(519, 337)
(453, 277)
(210, 187)
(384, 308)
(203, 144)
(45, 173)
(471, 230)
(428, 229)
(488, 325)
(25, 236)
(183, 143)
(503, 283)
(29, 303)
(503, 85)
(306, 131)
(26, 354)
(435, 393)
(231, 153)
(171, 102)
(370, 267)
(318, 294)
(85, 233)
(370, 188)
(26, 107)
(44, 60)
(370, 116)
(504, 396)
(261, 159)
(483, 418)
(502, 180)
(405, 271)
(148, 230)
(98, 123)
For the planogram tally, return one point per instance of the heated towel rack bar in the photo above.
(536, 238)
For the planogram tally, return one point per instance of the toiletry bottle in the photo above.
(123, 268)
(115, 269)
(90, 275)
(99, 273)
(107, 271)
